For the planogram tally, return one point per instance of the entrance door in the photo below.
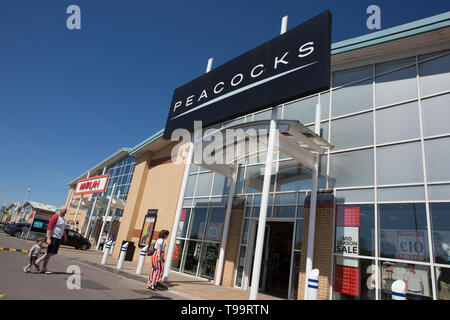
(276, 261)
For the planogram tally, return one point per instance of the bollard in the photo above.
(112, 248)
(141, 260)
(123, 252)
(313, 284)
(105, 253)
(398, 290)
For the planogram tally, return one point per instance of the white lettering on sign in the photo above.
(92, 185)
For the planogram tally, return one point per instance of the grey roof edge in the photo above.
(147, 141)
(101, 163)
(402, 31)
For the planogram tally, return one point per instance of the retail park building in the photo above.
(384, 188)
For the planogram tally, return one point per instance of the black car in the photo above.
(76, 240)
(15, 229)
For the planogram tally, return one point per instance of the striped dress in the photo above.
(158, 267)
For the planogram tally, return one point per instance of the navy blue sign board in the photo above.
(292, 65)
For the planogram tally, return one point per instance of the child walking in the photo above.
(33, 254)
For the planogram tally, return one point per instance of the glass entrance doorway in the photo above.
(277, 256)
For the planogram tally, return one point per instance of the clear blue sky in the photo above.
(69, 99)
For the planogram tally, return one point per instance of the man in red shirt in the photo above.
(55, 231)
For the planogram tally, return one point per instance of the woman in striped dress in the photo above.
(158, 258)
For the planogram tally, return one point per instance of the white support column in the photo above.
(89, 218)
(173, 235)
(105, 217)
(223, 242)
(312, 208)
(81, 199)
(113, 216)
(264, 204)
(265, 195)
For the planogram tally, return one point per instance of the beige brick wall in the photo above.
(232, 248)
(323, 247)
(155, 185)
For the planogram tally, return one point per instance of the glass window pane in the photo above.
(265, 115)
(351, 169)
(240, 180)
(204, 184)
(190, 188)
(286, 198)
(183, 224)
(294, 176)
(298, 234)
(302, 110)
(323, 133)
(254, 179)
(398, 123)
(208, 260)
(324, 106)
(240, 267)
(439, 192)
(245, 229)
(403, 231)
(198, 222)
(284, 212)
(214, 228)
(436, 115)
(400, 163)
(192, 257)
(443, 281)
(357, 195)
(435, 75)
(352, 279)
(355, 230)
(401, 194)
(391, 65)
(440, 220)
(352, 132)
(296, 274)
(396, 86)
(356, 97)
(437, 153)
(300, 211)
(344, 77)
(416, 277)
(177, 253)
(221, 185)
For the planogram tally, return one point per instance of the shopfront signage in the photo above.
(92, 185)
(292, 65)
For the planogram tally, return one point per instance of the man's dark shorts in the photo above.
(53, 246)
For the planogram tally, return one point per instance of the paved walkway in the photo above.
(185, 286)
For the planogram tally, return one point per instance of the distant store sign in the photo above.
(292, 65)
(92, 185)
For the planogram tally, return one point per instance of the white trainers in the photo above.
(26, 270)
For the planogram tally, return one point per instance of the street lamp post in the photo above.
(26, 197)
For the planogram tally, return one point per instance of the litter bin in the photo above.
(130, 250)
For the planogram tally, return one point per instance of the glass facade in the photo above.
(121, 174)
(388, 123)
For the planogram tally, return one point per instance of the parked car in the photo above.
(15, 229)
(76, 240)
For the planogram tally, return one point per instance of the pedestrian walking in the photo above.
(55, 232)
(158, 258)
(33, 254)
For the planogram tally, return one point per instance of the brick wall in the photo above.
(323, 244)
(232, 248)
